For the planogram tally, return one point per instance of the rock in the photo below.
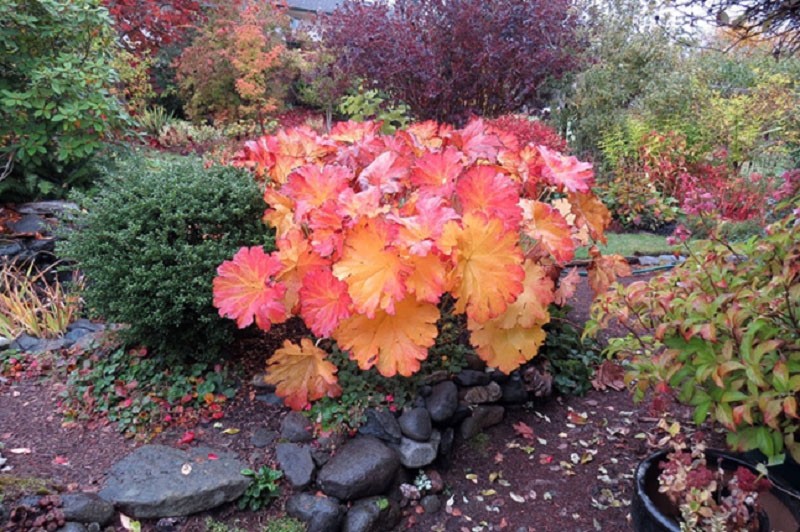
(470, 377)
(647, 260)
(482, 418)
(374, 514)
(86, 508)
(47, 207)
(296, 428)
(28, 224)
(416, 424)
(446, 446)
(169, 524)
(463, 411)
(414, 454)
(363, 467)
(270, 399)
(320, 513)
(71, 526)
(262, 437)
(484, 394)
(431, 504)
(94, 527)
(320, 456)
(514, 391)
(10, 250)
(381, 424)
(157, 481)
(296, 462)
(260, 384)
(443, 401)
(85, 325)
(24, 343)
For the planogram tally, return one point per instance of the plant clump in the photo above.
(149, 243)
(376, 233)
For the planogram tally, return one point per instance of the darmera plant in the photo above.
(723, 331)
(372, 231)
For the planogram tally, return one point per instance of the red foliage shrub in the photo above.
(530, 131)
(147, 25)
(451, 60)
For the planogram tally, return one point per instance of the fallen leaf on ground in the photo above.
(609, 375)
(576, 418)
(61, 460)
(20, 450)
(187, 438)
(230, 431)
(524, 430)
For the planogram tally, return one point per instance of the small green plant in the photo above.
(571, 358)
(216, 526)
(285, 524)
(262, 489)
(149, 244)
(141, 393)
(153, 120)
(36, 302)
(370, 104)
(422, 482)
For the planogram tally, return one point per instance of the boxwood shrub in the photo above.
(149, 242)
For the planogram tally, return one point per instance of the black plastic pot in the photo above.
(650, 510)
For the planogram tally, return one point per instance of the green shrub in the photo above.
(150, 241)
(57, 101)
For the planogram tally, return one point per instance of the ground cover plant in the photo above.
(149, 242)
(372, 231)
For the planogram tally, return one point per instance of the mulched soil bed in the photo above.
(570, 472)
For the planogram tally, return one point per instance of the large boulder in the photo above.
(374, 514)
(443, 401)
(296, 462)
(158, 481)
(363, 467)
(319, 513)
(86, 508)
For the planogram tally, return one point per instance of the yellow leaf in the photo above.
(373, 270)
(230, 431)
(488, 274)
(302, 374)
(505, 349)
(530, 308)
(589, 211)
(392, 343)
(604, 270)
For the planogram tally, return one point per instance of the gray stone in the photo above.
(47, 207)
(443, 401)
(94, 527)
(446, 446)
(414, 454)
(416, 424)
(296, 428)
(296, 462)
(320, 456)
(29, 224)
(320, 513)
(25, 343)
(362, 467)
(260, 384)
(262, 437)
(381, 424)
(484, 394)
(514, 391)
(158, 481)
(86, 325)
(10, 250)
(374, 514)
(647, 260)
(86, 508)
(482, 418)
(431, 504)
(270, 399)
(169, 524)
(470, 377)
(71, 526)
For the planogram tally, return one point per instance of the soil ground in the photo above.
(571, 472)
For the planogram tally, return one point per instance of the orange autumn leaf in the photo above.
(604, 270)
(245, 291)
(297, 258)
(488, 274)
(311, 185)
(437, 171)
(566, 171)
(590, 211)
(566, 287)
(280, 213)
(373, 270)
(351, 132)
(302, 374)
(547, 226)
(530, 307)
(394, 344)
(324, 301)
(428, 280)
(487, 190)
(505, 349)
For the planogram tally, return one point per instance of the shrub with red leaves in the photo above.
(530, 131)
(451, 60)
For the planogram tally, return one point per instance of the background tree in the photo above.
(147, 25)
(449, 60)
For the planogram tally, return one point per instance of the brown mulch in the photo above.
(571, 472)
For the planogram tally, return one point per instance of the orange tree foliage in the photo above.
(233, 68)
(373, 230)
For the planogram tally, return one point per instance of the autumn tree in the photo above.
(233, 68)
(450, 60)
(147, 25)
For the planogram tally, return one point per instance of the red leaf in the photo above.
(524, 430)
(212, 456)
(187, 438)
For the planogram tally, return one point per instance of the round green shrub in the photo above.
(149, 243)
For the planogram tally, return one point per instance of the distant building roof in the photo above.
(314, 6)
